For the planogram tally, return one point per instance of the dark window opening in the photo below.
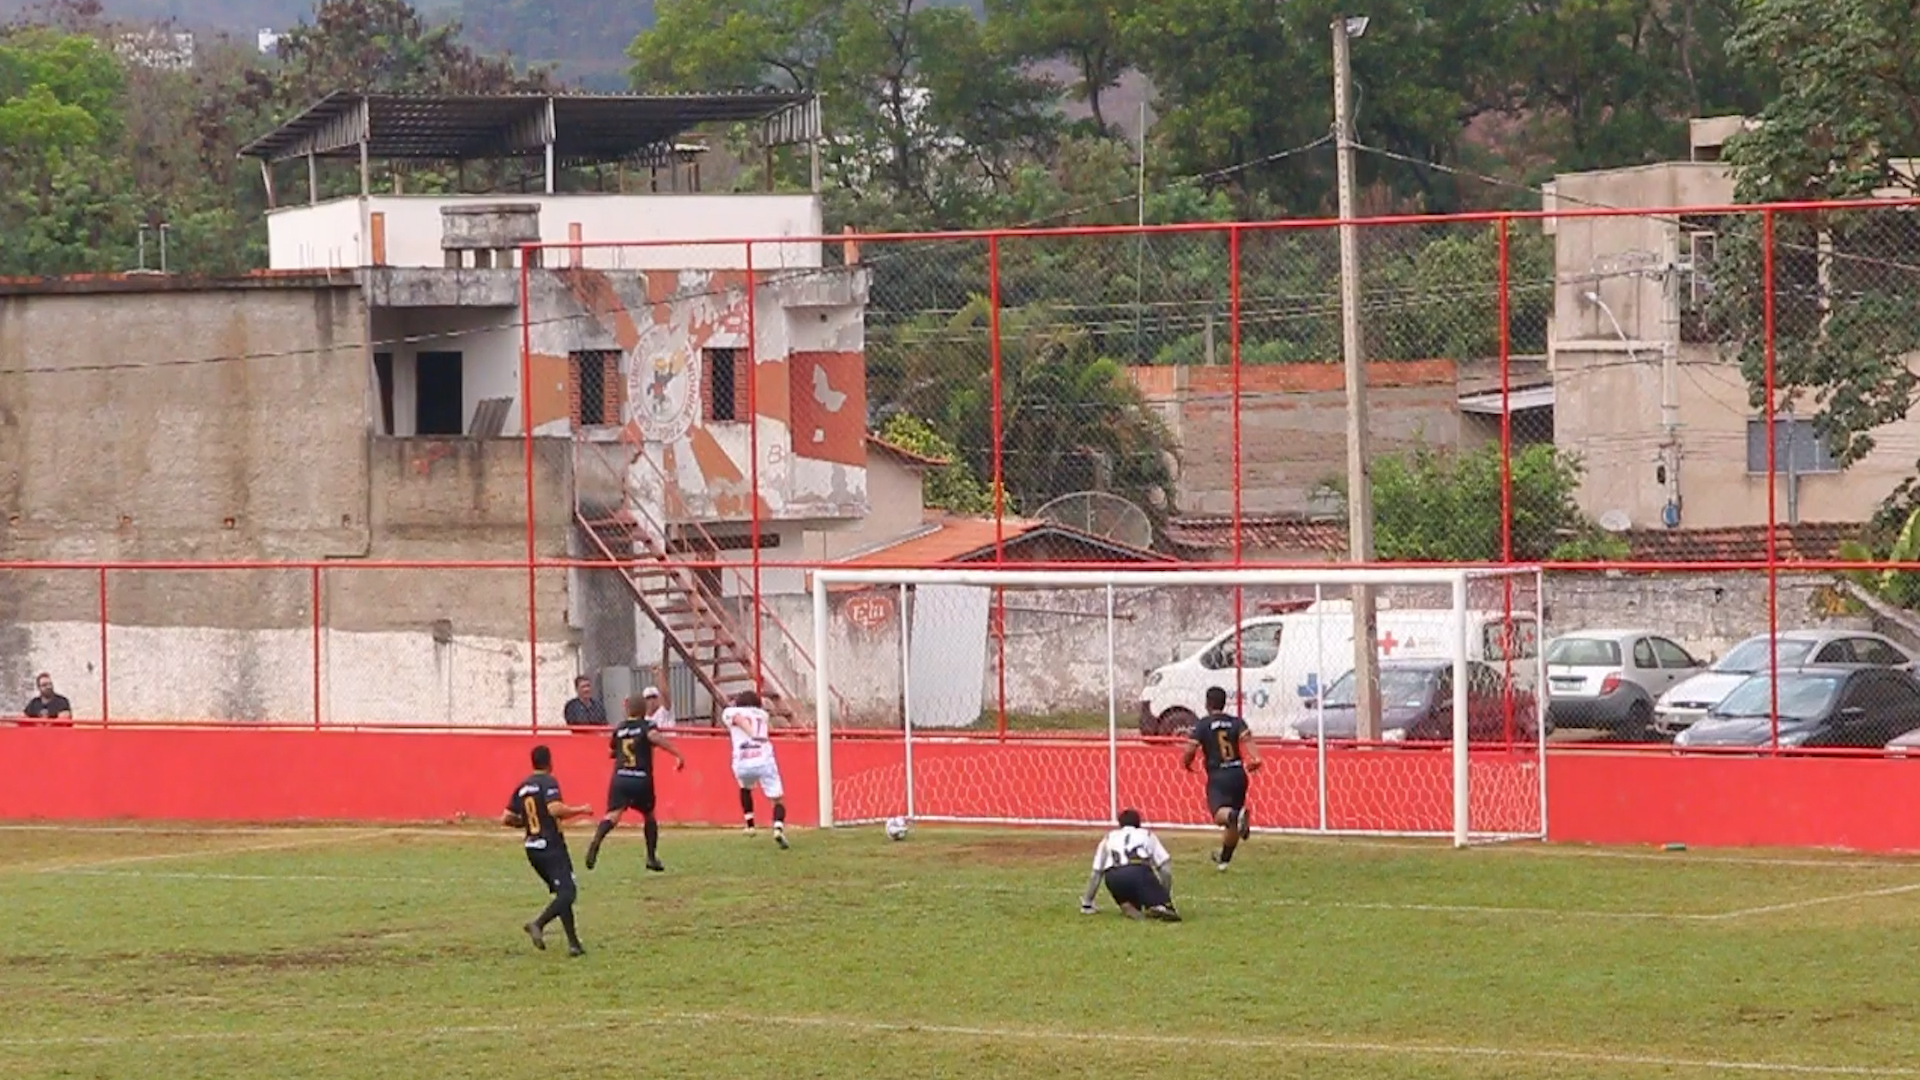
(722, 385)
(594, 371)
(383, 380)
(439, 394)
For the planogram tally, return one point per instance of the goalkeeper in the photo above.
(1136, 869)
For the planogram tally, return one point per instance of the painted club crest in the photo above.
(667, 390)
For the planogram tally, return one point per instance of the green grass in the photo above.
(348, 954)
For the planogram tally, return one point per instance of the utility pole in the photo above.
(1366, 633)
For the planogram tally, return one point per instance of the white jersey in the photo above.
(747, 727)
(661, 717)
(1129, 847)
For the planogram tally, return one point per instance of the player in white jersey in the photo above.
(747, 725)
(1136, 869)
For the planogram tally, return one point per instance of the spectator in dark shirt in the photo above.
(585, 710)
(47, 705)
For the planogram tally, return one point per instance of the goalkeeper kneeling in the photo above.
(1137, 871)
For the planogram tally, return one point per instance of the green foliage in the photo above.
(1898, 587)
(1847, 107)
(1445, 506)
(951, 486)
(926, 116)
(1070, 419)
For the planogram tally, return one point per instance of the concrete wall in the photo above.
(1293, 426)
(808, 416)
(240, 433)
(1608, 376)
(487, 339)
(1609, 413)
(1056, 640)
(338, 234)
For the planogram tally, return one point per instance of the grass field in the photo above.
(353, 953)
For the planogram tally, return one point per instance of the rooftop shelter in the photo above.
(563, 129)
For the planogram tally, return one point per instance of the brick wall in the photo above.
(1293, 425)
(613, 384)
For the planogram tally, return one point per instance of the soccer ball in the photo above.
(896, 828)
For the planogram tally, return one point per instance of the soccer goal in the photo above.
(1047, 697)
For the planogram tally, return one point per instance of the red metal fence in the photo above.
(1692, 418)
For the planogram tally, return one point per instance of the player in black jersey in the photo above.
(632, 784)
(1230, 754)
(536, 807)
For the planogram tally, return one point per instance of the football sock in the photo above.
(600, 831)
(652, 830)
(566, 923)
(779, 814)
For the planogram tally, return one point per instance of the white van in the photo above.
(1285, 661)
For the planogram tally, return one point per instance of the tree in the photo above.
(950, 486)
(1846, 302)
(924, 117)
(1070, 420)
(1088, 34)
(380, 46)
(1445, 506)
(65, 204)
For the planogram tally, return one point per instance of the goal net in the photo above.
(1059, 697)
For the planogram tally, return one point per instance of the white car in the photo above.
(1609, 679)
(1684, 705)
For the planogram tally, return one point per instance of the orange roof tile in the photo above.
(947, 540)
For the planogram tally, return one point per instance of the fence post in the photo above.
(1773, 547)
(106, 713)
(315, 600)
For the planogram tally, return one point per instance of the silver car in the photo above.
(1687, 703)
(1609, 679)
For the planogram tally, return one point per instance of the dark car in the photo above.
(1416, 705)
(1819, 705)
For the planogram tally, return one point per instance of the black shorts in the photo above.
(1137, 885)
(1226, 790)
(554, 865)
(630, 793)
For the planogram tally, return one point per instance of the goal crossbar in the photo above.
(1456, 579)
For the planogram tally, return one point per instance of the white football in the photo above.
(896, 828)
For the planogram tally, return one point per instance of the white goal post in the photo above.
(1469, 765)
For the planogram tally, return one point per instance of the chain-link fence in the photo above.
(1696, 419)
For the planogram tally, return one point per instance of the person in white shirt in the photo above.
(1136, 869)
(747, 725)
(659, 709)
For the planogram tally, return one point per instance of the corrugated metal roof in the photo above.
(583, 128)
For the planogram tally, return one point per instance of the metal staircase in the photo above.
(667, 569)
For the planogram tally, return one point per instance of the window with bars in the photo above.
(596, 387)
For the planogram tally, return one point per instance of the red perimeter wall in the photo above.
(82, 774)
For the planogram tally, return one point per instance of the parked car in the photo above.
(1416, 705)
(1273, 667)
(1688, 702)
(1609, 679)
(1819, 705)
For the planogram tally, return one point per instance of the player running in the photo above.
(1136, 869)
(1230, 753)
(753, 761)
(536, 807)
(632, 784)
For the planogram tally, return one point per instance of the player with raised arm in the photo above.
(1230, 753)
(1136, 869)
(537, 808)
(753, 761)
(632, 784)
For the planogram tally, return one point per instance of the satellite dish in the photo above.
(1616, 521)
(1099, 513)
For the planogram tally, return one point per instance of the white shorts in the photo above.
(764, 771)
